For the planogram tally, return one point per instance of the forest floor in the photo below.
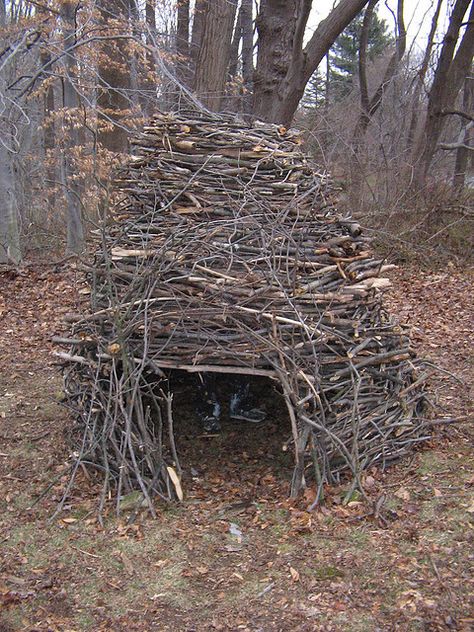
(235, 555)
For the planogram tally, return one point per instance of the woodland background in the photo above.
(390, 115)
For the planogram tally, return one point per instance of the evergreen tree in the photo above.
(345, 51)
(315, 92)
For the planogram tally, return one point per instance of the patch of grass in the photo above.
(169, 580)
(325, 573)
(354, 621)
(85, 620)
(360, 539)
(247, 590)
(285, 548)
(37, 548)
(432, 463)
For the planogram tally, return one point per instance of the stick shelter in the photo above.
(226, 253)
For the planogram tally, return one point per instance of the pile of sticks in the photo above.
(226, 253)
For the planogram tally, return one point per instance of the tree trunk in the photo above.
(214, 53)
(75, 231)
(49, 134)
(453, 64)
(150, 19)
(149, 81)
(10, 250)
(327, 84)
(9, 234)
(276, 27)
(182, 42)
(243, 32)
(369, 107)
(420, 82)
(114, 78)
(234, 47)
(462, 153)
(136, 97)
(284, 67)
(363, 84)
(247, 53)
(200, 13)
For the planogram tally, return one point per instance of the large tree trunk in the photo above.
(114, 77)
(214, 53)
(284, 67)
(453, 65)
(75, 231)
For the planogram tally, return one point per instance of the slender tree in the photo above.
(369, 105)
(466, 136)
(10, 250)
(49, 138)
(243, 42)
(247, 54)
(454, 62)
(367, 35)
(75, 231)
(421, 77)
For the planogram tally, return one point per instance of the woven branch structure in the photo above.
(226, 253)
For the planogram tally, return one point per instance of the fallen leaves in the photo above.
(295, 576)
(470, 508)
(126, 562)
(403, 494)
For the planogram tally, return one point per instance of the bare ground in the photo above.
(236, 555)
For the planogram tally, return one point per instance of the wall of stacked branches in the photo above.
(226, 253)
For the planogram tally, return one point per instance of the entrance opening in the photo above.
(244, 459)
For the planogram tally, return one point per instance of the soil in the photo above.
(236, 554)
